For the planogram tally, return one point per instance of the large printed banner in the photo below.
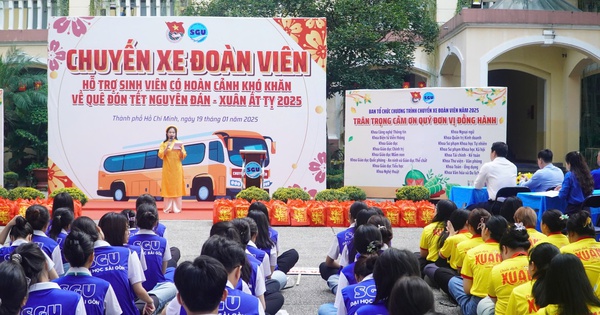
(433, 137)
(227, 84)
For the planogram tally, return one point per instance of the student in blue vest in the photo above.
(286, 260)
(367, 241)
(272, 298)
(157, 253)
(119, 266)
(45, 297)
(62, 219)
(391, 265)
(231, 254)
(201, 285)
(330, 269)
(98, 295)
(349, 253)
(253, 249)
(38, 217)
(130, 215)
(160, 229)
(115, 232)
(13, 287)
(62, 200)
(20, 232)
(363, 292)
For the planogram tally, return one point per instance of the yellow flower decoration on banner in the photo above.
(317, 48)
(315, 23)
(291, 27)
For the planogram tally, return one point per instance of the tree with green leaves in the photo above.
(370, 44)
(25, 109)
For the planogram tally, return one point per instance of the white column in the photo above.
(2, 10)
(127, 7)
(20, 15)
(29, 4)
(157, 5)
(147, 6)
(39, 16)
(11, 15)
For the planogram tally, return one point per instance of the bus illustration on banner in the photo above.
(212, 168)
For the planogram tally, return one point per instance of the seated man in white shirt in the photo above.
(498, 173)
(548, 176)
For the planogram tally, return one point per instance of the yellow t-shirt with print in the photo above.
(505, 277)
(521, 301)
(429, 239)
(463, 247)
(448, 251)
(478, 265)
(535, 236)
(552, 309)
(588, 250)
(557, 239)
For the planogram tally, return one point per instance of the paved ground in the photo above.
(312, 245)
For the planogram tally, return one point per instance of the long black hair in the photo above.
(458, 218)
(540, 256)
(78, 248)
(391, 265)
(263, 241)
(13, 287)
(579, 167)
(61, 220)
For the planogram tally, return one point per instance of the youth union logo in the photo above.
(253, 170)
(415, 96)
(198, 32)
(175, 32)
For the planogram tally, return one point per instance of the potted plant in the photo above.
(39, 172)
(11, 180)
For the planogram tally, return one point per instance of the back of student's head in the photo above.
(539, 259)
(568, 286)
(458, 219)
(146, 216)
(259, 206)
(114, 227)
(37, 216)
(515, 237)
(364, 265)
(411, 295)
(243, 226)
(13, 287)
(61, 220)
(527, 216)
(145, 199)
(555, 220)
(77, 248)
(263, 239)
(32, 259)
(21, 230)
(509, 207)
(201, 284)
(63, 200)
(546, 155)
(367, 240)
(497, 227)
(477, 219)
(391, 265)
(443, 210)
(356, 207)
(385, 227)
(230, 253)
(130, 215)
(364, 215)
(581, 224)
(227, 230)
(87, 226)
(500, 148)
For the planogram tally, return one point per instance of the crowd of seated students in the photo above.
(485, 263)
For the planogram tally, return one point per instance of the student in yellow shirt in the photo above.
(528, 218)
(581, 233)
(473, 225)
(429, 244)
(553, 222)
(522, 300)
(508, 274)
(477, 267)
(565, 289)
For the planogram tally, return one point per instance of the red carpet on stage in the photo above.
(192, 210)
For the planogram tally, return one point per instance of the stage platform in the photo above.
(192, 210)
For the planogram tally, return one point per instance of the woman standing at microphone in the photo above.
(172, 152)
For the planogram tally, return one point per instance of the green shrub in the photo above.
(285, 194)
(3, 193)
(25, 193)
(331, 195)
(414, 193)
(354, 193)
(75, 193)
(11, 179)
(335, 178)
(253, 193)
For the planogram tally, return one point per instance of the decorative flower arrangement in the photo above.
(521, 175)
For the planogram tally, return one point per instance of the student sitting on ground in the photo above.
(528, 217)
(201, 285)
(553, 223)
